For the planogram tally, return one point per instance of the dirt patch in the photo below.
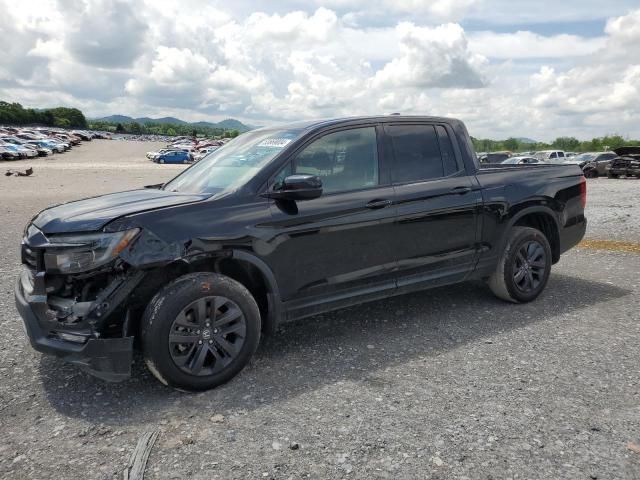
(611, 245)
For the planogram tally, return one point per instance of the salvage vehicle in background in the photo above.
(58, 147)
(37, 145)
(594, 164)
(21, 150)
(8, 154)
(203, 152)
(68, 138)
(280, 224)
(553, 156)
(522, 161)
(151, 155)
(86, 136)
(627, 162)
(576, 160)
(495, 157)
(173, 156)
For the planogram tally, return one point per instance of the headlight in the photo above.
(82, 252)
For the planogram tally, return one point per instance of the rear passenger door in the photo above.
(437, 219)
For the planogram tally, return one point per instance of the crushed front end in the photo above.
(73, 298)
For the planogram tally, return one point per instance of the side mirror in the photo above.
(297, 187)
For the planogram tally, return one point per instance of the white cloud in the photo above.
(104, 33)
(431, 57)
(603, 92)
(292, 27)
(198, 60)
(524, 44)
(547, 12)
(433, 10)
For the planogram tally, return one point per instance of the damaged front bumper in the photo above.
(106, 358)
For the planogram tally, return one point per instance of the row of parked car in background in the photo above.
(185, 150)
(21, 143)
(622, 161)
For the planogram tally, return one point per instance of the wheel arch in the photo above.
(542, 219)
(254, 274)
(247, 269)
(272, 315)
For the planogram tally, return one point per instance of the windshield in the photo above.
(233, 164)
(584, 157)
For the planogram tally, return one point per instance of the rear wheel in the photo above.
(199, 331)
(524, 267)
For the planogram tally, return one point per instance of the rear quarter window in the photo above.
(449, 161)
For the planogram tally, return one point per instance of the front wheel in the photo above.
(612, 175)
(200, 331)
(524, 267)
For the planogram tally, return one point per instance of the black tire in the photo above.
(524, 267)
(612, 175)
(591, 173)
(224, 353)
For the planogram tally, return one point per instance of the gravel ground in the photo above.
(614, 209)
(449, 383)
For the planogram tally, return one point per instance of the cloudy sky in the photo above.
(535, 68)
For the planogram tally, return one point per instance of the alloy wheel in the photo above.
(207, 335)
(529, 266)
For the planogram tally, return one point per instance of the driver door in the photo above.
(336, 249)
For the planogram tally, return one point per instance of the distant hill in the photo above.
(232, 124)
(161, 120)
(229, 123)
(116, 119)
(526, 140)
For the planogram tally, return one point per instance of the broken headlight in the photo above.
(81, 252)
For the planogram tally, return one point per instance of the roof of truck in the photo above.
(312, 124)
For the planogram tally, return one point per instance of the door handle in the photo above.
(374, 204)
(461, 190)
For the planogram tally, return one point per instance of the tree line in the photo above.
(63, 117)
(16, 114)
(568, 144)
(157, 128)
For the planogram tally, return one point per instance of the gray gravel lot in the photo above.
(450, 383)
(614, 209)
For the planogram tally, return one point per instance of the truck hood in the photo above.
(574, 161)
(94, 213)
(621, 151)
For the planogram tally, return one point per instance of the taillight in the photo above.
(583, 192)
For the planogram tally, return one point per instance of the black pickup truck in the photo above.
(280, 224)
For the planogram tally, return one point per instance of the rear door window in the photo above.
(416, 153)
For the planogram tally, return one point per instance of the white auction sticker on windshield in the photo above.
(275, 142)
